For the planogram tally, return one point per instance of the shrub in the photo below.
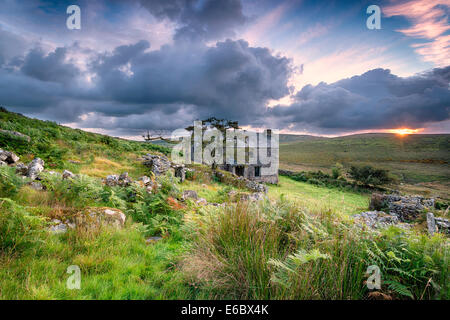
(368, 175)
(18, 229)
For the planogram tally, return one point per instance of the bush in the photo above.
(18, 229)
(368, 175)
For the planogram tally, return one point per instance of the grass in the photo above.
(114, 265)
(283, 251)
(319, 198)
(413, 158)
(302, 244)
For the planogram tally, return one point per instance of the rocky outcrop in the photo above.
(112, 180)
(88, 219)
(376, 219)
(21, 169)
(159, 165)
(35, 168)
(189, 194)
(8, 157)
(124, 180)
(15, 134)
(95, 217)
(68, 175)
(406, 208)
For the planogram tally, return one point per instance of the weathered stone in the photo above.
(376, 219)
(201, 201)
(180, 172)
(16, 134)
(145, 180)
(157, 164)
(443, 225)
(406, 208)
(8, 157)
(92, 217)
(189, 194)
(68, 175)
(124, 180)
(36, 185)
(21, 169)
(34, 168)
(58, 227)
(112, 180)
(153, 240)
(2, 163)
(255, 186)
(431, 223)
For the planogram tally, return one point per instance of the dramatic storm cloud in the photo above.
(376, 99)
(161, 64)
(199, 20)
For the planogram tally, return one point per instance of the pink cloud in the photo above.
(428, 21)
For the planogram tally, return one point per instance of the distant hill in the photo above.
(414, 158)
(287, 138)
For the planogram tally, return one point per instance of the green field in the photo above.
(422, 162)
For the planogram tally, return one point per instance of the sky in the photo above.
(309, 67)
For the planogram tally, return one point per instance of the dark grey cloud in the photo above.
(11, 45)
(51, 67)
(230, 79)
(376, 99)
(186, 81)
(199, 19)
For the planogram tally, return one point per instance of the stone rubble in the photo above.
(68, 175)
(407, 208)
(8, 157)
(159, 165)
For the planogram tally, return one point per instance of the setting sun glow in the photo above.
(405, 131)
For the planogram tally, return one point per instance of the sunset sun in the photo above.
(405, 131)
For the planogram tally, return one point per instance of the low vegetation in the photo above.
(300, 243)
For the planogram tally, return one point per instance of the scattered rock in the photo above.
(2, 163)
(8, 157)
(58, 227)
(180, 172)
(16, 134)
(256, 196)
(112, 180)
(145, 180)
(157, 164)
(152, 240)
(37, 185)
(431, 223)
(189, 194)
(100, 216)
(443, 225)
(21, 169)
(124, 180)
(201, 201)
(74, 161)
(377, 219)
(34, 168)
(68, 175)
(406, 208)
